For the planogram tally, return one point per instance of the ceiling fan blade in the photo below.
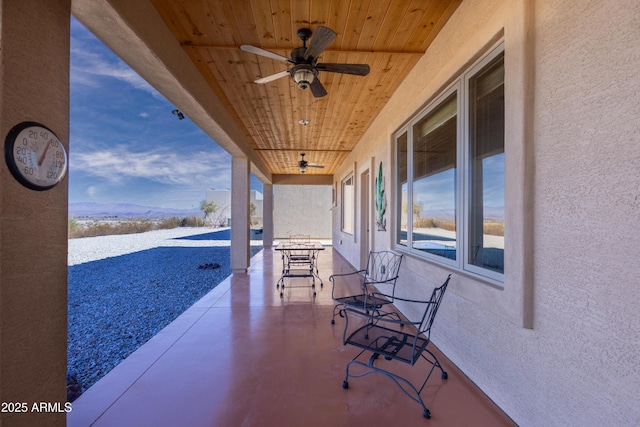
(355, 69)
(273, 77)
(313, 165)
(319, 42)
(262, 52)
(317, 89)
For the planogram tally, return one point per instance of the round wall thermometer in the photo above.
(35, 156)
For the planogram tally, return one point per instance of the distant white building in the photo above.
(297, 209)
(222, 198)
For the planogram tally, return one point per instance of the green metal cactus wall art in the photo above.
(380, 201)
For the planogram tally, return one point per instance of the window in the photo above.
(450, 174)
(434, 180)
(402, 202)
(347, 204)
(486, 168)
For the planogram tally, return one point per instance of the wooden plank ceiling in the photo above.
(389, 35)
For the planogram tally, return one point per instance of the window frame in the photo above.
(466, 128)
(344, 204)
(459, 86)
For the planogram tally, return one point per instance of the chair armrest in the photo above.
(345, 284)
(368, 281)
(373, 318)
(345, 274)
(381, 316)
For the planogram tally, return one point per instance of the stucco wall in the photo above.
(578, 161)
(302, 209)
(587, 210)
(34, 86)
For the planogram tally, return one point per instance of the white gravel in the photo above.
(88, 249)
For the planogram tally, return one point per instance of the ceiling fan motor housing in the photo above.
(297, 55)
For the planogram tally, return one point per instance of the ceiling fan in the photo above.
(304, 60)
(303, 164)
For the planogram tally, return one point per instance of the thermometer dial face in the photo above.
(35, 156)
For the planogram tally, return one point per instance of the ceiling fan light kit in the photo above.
(304, 76)
(305, 61)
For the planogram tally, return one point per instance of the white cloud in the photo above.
(119, 157)
(88, 67)
(161, 165)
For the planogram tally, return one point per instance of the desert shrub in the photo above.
(490, 227)
(97, 229)
(424, 222)
(446, 225)
(130, 226)
(133, 226)
(192, 221)
(428, 222)
(168, 223)
(494, 228)
(74, 228)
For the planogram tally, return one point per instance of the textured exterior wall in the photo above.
(34, 86)
(302, 209)
(577, 104)
(587, 210)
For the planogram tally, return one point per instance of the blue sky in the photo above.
(438, 192)
(125, 145)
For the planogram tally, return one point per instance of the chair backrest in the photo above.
(383, 266)
(432, 307)
(299, 257)
(300, 238)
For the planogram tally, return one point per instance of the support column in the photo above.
(267, 215)
(34, 86)
(240, 185)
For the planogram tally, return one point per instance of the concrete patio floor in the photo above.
(243, 356)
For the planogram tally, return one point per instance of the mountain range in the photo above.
(488, 212)
(130, 210)
(126, 210)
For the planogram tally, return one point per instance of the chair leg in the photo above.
(436, 363)
(313, 283)
(336, 308)
(405, 386)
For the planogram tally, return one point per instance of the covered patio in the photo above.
(531, 337)
(244, 356)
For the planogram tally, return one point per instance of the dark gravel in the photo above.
(117, 304)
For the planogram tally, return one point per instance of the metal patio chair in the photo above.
(382, 272)
(401, 340)
(300, 257)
